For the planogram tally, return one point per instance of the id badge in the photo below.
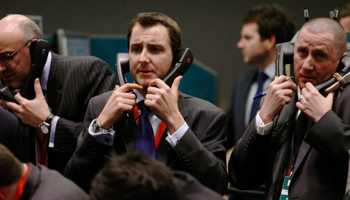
(285, 188)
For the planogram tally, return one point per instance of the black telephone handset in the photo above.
(182, 60)
(39, 50)
(284, 66)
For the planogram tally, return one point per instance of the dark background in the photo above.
(211, 28)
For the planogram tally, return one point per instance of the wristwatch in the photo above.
(96, 127)
(44, 128)
(46, 125)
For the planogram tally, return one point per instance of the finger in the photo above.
(299, 105)
(330, 96)
(12, 106)
(310, 88)
(129, 86)
(19, 98)
(37, 88)
(300, 97)
(157, 82)
(280, 79)
(176, 84)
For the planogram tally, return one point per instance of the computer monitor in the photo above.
(70, 43)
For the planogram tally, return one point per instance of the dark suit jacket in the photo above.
(190, 188)
(72, 82)
(200, 151)
(9, 131)
(237, 109)
(321, 167)
(43, 183)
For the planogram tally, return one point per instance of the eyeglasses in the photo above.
(8, 57)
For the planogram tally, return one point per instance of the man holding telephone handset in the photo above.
(300, 156)
(187, 133)
(53, 119)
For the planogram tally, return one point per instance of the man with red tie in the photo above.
(187, 133)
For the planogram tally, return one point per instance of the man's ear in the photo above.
(270, 42)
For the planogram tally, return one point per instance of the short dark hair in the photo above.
(345, 11)
(154, 18)
(272, 20)
(11, 168)
(133, 176)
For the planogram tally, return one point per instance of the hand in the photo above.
(313, 104)
(162, 100)
(279, 93)
(119, 102)
(31, 112)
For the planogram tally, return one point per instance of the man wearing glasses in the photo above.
(62, 93)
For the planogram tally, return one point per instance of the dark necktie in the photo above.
(302, 125)
(144, 135)
(261, 79)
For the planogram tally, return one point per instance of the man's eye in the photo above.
(320, 55)
(301, 51)
(156, 49)
(136, 49)
(6, 56)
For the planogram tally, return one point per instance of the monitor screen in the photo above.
(70, 43)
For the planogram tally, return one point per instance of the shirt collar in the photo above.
(139, 96)
(45, 75)
(270, 70)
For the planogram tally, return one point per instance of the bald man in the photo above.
(310, 162)
(53, 120)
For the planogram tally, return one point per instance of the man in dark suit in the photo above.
(120, 179)
(187, 133)
(27, 181)
(66, 85)
(9, 131)
(307, 158)
(263, 27)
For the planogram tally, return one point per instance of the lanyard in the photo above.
(161, 128)
(21, 183)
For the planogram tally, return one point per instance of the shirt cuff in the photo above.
(260, 127)
(53, 132)
(104, 136)
(174, 138)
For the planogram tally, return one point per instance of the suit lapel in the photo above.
(164, 150)
(304, 150)
(55, 84)
(241, 103)
(128, 132)
(242, 100)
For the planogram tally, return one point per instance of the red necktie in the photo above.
(41, 147)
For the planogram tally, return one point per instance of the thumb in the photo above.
(330, 96)
(37, 88)
(176, 83)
